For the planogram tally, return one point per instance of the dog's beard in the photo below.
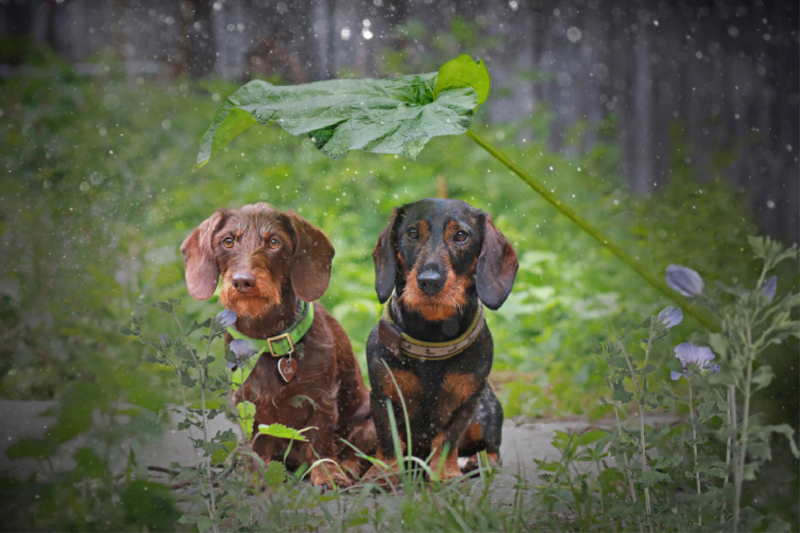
(255, 304)
(443, 305)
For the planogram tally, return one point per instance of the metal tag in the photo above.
(287, 368)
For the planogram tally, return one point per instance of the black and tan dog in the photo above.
(441, 259)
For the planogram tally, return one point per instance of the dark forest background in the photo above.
(712, 85)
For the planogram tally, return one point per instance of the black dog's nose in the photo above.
(430, 282)
(244, 281)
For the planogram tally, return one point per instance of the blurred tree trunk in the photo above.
(198, 50)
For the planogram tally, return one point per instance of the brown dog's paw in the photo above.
(382, 477)
(328, 476)
(449, 471)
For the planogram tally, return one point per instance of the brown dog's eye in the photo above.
(413, 233)
(461, 236)
(274, 244)
(228, 242)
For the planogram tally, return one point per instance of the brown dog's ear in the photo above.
(385, 258)
(497, 266)
(202, 270)
(313, 255)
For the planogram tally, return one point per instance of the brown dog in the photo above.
(270, 263)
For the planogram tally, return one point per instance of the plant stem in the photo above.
(694, 447)
(596, 235)
(627, 467)
(736, 452)
(644, 467)
(743, 446)
(643, 455)
(731, 425)
(205, 419)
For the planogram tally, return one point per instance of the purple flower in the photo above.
(226, 318)
(684, 280)
(165, 340)
(670, 316)
(694, 360)
(242, 349)
(769, 288)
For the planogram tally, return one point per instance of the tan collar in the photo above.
(398, 342)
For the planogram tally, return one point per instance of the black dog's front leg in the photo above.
(382, 383)
(450, 437)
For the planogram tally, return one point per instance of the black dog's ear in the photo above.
(385, 257)
(202, 270)
(313, 255)
(497, 266)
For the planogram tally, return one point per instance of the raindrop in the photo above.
(345, 33)
(770, 204)
(513, 5)
(366, 34)
(574, 34)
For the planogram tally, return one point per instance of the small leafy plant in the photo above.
(722, 439)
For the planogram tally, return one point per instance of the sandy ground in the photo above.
(18, 420)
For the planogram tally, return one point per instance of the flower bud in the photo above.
(226, 318)
(684, 280)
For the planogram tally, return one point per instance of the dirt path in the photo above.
(521, 444)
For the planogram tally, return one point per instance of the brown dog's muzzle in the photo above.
(243, 281)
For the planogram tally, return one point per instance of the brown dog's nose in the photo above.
(244, 281)
(430, 282)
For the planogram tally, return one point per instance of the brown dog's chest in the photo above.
(280, 402)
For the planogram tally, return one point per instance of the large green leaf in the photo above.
(387, 116)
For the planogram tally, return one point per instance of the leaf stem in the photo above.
(594, 233)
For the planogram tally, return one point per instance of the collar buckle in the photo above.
(278, 338)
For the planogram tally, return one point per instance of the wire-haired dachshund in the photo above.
(438, 260)
(270, 263)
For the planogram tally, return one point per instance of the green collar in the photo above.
(282, 344)
(285, 343)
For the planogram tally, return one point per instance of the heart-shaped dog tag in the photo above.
(287, 368)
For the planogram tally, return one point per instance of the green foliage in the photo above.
(718, 443)
(390, 116)
(98, 195)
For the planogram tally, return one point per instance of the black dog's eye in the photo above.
(413, 233)
(228, 242)
(274, 244)
(461, 236)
